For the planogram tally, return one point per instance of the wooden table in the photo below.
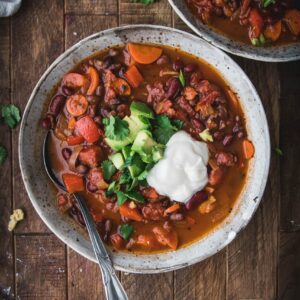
(263, 262)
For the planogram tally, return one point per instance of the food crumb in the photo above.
(18, 215)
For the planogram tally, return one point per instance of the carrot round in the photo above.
(130, 213)
(248, 149)
(94, 78)
(73, 183)
(292, 19)
(273, 31)
(77, 105)
(73, 140)
(88, 129)
(121, 87)
(134, 76)
(144, 54)
(75, 80)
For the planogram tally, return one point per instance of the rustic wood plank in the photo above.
(6, 238)
(84, 278)
(78, 27)
(252, 257)
(179, 24)
(289, 266)
(165, 20)
(91, 6)
(290, 145)
(160, 7)
(156, 287)
(205, 280)
(40, 267)
(37, 39)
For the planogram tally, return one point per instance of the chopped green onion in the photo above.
(255, 42)
(126, 230)
(181, 78)
(262, 39)
(266, 3)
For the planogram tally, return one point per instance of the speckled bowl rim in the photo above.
(227, 230)
(282, 53)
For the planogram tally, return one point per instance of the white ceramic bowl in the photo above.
(280, 53)
(42, 193)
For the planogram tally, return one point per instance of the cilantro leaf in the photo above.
(146, 2)
(278, 151)
(266, 3)
(181, 78)
(3, 155)
(108, 169)
(116, 128)
(135, 196)
(125, 177)
(121, 198)
(11, 115)
(126, 230)
(164, 128)
(112, 188)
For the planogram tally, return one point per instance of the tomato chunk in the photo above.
(88, 129)
(130, 213)
(91, 156)
(73, 183)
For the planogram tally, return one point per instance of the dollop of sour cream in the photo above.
(183, 170)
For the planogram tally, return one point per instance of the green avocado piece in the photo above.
(158, 152)
(117, 159)
(141, 109)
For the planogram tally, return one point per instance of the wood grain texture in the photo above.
(6, 237)
(156, 287)
(79, 27)
(165, 20)
(290, 145)
(84, 278)
(91, 6)
(205, 280)
(289, 266)
(37, 39)
(40, 267)
(160, 7)
(252, 257)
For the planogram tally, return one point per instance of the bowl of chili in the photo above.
(116, 111)
(262, 30)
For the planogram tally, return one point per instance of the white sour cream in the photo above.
(183, 170)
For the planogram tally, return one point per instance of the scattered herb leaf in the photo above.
(108, 169)
(135, 196)
(121, 198)
(11, 115)
(116, 128)
(206, 136)
(126, 230)
(266, 3)
(181, 78)
(278, 151)
(125, 177)
(112, 188)
(3, 155)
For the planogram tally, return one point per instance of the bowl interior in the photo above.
(280, 53)
(40, 189)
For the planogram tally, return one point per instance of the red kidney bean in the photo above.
(82, 169)
(178, 65)
(99, 90)
(57, 104)
(107, 62)
(67, 90)
(196, 200)
(189, 68)
(93, 99)
(98, 120)
(104, 112)
(108, 225)
(228, 140)
(46, 123)
(176, 217)
(241, 135)
(174, 88)
(91, 187)
(198, 125)
(218, 135)
(163, 60)
(66, 153)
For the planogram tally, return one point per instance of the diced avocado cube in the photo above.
(141, 109)
(118, 145)
(136, 167)
(158, 152)
(118, 160)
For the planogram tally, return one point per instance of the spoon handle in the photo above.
(113, 288)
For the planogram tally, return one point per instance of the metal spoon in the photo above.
(113, 287)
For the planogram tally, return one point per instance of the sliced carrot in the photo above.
(77, 105)
(75, 80)
(143, 54)
(134, 76)
(121, 87)
(130, 213)
(166, 238)
(88, 129)
(72, 123)
(248, 149)
(292, 19)
(273, 31)
(73, 140)
(172, 209)
(94, 78)
(232, 99)
(117, 241)
(150, 193)
(73, 183)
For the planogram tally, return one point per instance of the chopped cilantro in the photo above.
(135, 196)
(164, 128)
(121, 198)
(10, 115)
(126, 230)
(278, 151)
(266, 3)
(108, 169)
(112, 188)
(181, 78)
(115, 128)
(3, 155)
